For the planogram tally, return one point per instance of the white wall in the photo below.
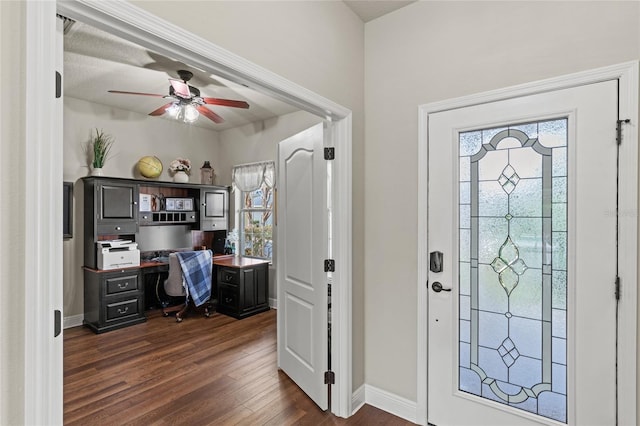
(135, 135)
(430, 51)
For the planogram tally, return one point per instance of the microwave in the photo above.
(178, 204)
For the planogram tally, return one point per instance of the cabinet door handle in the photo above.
(117, 228)
(120, 311)
(122, 286)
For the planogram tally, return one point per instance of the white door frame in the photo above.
(132, 23)
(627, 75)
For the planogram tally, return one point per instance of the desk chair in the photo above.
(174, 286)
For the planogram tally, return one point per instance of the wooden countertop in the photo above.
(237, 261)
(228, 260)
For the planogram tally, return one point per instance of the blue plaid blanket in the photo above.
(196, 272)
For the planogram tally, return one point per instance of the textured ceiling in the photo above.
(96, 61)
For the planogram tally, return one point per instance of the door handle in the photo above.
(437, 287)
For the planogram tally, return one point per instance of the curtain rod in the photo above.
(257, 163)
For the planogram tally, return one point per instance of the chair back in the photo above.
(173, 285)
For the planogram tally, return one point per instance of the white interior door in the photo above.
(301, 250)
(522, 199)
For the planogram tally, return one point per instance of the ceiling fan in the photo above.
(186, 103)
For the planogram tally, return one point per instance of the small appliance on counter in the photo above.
(114, 254)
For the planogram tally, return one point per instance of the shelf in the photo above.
(166, 218)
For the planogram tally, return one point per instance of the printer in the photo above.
(114, 254)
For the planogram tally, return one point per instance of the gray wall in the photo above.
(259, 142)
(316, 44)
(135, 136)
(431, 51)
(425, 52)
(13, 157)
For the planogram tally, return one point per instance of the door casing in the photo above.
(139, 26)
(627, 74)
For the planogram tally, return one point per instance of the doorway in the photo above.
(509, 300)
(145, 31)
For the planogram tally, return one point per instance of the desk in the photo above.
(116, 298)
(243, 285)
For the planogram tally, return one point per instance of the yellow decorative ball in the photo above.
(150, 166)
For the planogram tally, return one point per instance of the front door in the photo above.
(302, 219)
(521, 306)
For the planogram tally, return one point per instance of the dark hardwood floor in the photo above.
(216, 370)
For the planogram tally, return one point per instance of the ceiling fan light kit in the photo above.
(183, 112)
(187, 104)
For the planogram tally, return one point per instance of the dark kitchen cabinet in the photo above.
(214, 209)
(113, 299)
(111, 211)
(243, 291)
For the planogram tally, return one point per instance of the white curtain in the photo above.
(249, 177)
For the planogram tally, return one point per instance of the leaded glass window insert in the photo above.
(513, 266)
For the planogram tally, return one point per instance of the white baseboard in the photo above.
(358, 399)
(73, 321)
(389, 402)
(273, 303)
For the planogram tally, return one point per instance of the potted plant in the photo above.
(99, 147)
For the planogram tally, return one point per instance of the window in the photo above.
(256, 223)
(254, 188)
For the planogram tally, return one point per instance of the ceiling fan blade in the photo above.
(161, 110)
(210, 114)
(136, 93)
(180, 88)
(226, 102)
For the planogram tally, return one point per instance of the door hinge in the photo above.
(329, 265)
(330, 153)
(617, 288)
(58, 85)
(329, 378)
(57, 323)
(619, 130)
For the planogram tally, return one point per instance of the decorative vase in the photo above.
(181, 177)
(206, 174)
(96, 171)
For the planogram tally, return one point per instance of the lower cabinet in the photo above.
(243, 291)
(113, 299)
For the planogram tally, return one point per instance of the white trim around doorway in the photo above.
(132, 23)
(627, 75)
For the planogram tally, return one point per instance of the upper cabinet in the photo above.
(114, 206)
(117, 204)
(214, 209)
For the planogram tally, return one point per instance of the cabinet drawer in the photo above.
(229, 276)
(228, 297)
(111, 228)
(214, 224)
(120, 284)
(125, 308)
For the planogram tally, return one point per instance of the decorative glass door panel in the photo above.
(512, 266)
